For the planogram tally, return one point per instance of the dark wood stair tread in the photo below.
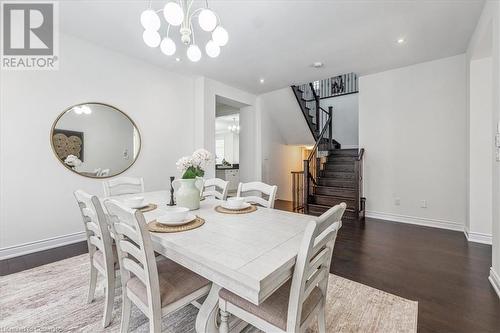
(345, 183)
(344, 192)
(316, 210)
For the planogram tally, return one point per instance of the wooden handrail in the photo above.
(329, 121)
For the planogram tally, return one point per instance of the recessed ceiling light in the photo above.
(261, 80)
(178, 59)
(317, 64)
(401, 40)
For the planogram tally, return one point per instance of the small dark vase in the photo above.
(172, 203)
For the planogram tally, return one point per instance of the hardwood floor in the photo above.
(17, 264)
(438, 268)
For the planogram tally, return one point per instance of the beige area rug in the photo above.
(52, 298)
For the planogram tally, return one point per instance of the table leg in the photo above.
(206, 320)
(208, 317)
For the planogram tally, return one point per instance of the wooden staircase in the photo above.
(338, 181)
(315, 116)
(331, 175)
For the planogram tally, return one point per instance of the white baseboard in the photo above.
(45, 244)
(423, 221)
(478, 237)
(495, 281)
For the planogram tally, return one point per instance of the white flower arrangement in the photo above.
(72, 161)
(194, 166)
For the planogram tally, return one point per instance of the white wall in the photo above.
(489, 26)
(278, 158)
(284, 130)
(231, 147)
(286, 115)
(412, 123)
(345, 119)
(36, 191)
(478, 226)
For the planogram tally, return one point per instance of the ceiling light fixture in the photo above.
(261, 80)
(234, 128)
(180, 13)
(401, 40)
(317, 64)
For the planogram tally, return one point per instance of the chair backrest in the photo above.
(135, 250)
(176, 184)
(312, 267)
(104, 173)
(96, 227)
(268, 190)
(123, 185)
(215, 187)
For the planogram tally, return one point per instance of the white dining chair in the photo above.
(155, 287)
(215, 187)
(261, 188)
(199, 183)
(123, 185)
(104, 173)
(300, 300)
(102, 252)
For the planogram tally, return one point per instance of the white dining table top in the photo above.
(250, 254)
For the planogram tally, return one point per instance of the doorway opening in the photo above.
(228, 127)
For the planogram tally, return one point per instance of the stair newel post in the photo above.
(330, 127)
(318, 167)
(305, 190)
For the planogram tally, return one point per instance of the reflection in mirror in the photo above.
(95, 140)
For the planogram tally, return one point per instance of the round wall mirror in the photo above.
(95, 140)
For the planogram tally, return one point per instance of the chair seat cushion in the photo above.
(175, 282)
(274, 310)
(99, 257)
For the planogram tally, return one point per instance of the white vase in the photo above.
(188, 195)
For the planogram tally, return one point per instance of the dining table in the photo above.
(250, 254)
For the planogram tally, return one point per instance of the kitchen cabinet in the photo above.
(230, 175)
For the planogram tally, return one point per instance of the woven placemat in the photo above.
(149, 208)
(155, 226)
(247, 210)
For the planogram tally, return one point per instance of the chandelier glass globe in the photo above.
(220, 36)
(212, 49)
(180, 15)
(150, 20)
(173, 13)
(207, 20)
(167, 46)
(194, 53)
(152, 38)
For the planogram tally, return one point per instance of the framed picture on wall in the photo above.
(338, 85)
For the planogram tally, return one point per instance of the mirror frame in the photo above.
(99, 103)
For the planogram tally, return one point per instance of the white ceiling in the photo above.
(279, 40)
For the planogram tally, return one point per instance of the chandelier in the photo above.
(180, 13)
(234, 128)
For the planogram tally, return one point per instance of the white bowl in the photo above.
(134, 202)
(235, 203)
(174, 214)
